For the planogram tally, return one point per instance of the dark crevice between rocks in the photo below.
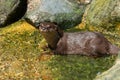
(17, 14)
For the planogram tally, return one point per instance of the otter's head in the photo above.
(47, 27)
(51, 33)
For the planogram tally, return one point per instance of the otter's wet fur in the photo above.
(82, 43)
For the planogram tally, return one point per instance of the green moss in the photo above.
(21, 48)
(75, 67)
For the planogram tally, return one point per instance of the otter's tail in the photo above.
(114, 50)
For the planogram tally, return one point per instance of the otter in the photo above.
(83, 43)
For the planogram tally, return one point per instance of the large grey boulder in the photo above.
(11, 11)
(67, 13)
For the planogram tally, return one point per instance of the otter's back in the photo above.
(77, 42)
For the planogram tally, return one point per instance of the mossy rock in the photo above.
(102, 13)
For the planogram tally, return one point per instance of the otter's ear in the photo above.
(60, 32)
(41, 24)
(55, 23)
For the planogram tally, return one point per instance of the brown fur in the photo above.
(83, 43)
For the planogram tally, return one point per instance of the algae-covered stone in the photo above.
(11, 11)
(66, 13)
(103, 13)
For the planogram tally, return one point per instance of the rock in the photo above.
(102, 13)
(84, 2)
(113, 73)
(66, 13)
(11, 11)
